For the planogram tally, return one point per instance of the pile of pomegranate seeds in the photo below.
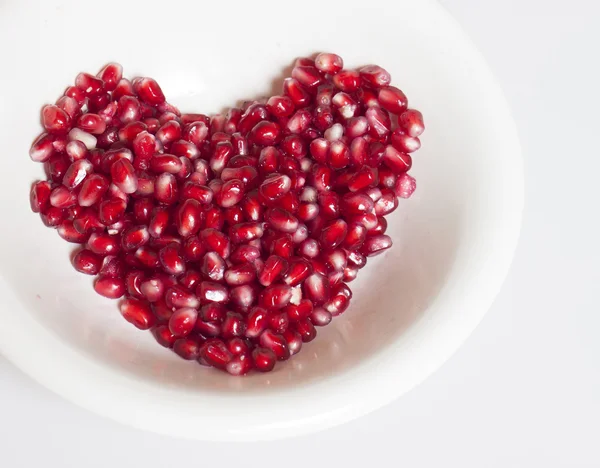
(230, 237)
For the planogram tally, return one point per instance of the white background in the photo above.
(524, 390)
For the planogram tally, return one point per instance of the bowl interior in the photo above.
(410, 306)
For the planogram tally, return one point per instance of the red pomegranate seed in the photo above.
(320, 317)
(87, 221)
(187, 348)
(166, 189)
(233, 326)
(405, 186)
(42, 148)
(323, 117)
(379, 122)
(411, 121)
(112, 288)
(240, 364)
(67, 231)
(133, 281)
(276, 296)
(70, 106)
(300, 121)
(396, 161)
(386, 204)
(163, 336)
(89, 84)
(350, 274)
(55, 120)
(215, 353)
(177, 296)
(265, 133)
(306, 330)
(149, 91)
(375, 245)
(189, 219)
(329, 63)
(111, 75)
(356, 236)
(403, 142)
(347, 80)
(272, 269)
(387, 178)
(324, 95)
(216, 241)
(296, 92)
(147, 257)
(356, 204)
(195, 133)
(103, 245)
(208, 291)
(275, 186)
(91, 123)
(243, 297)
(142, 210)
(53, 217)
(134, 237)
(170, 163)
(392, 99)
(281, 220)
(62, 197)
(280, 106)
(171, 259)
(276, 343)
(307, 75)
(278, 323)
(168, 133)
(309, 248)
(375, 76)
(316, 288)
(380, 228)
(87, 262)
(339, 301)
(213, 266)
(321, 178)
(231, 193)
(183, 321)
(76, 173)
(245, 254)
(263, 359)
(123, 176)
(75, 93)
(339, 155)
(237, 275)
(112, 210)
(333, 234)
(40, 196)
(92, 190)
(282, 246)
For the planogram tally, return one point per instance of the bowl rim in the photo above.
(138, 404)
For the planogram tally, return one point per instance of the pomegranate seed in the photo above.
(215, 353)
(333, 234)
(396, 161)
(386, 204)
(75, 93)
(265, 133)
(112, 210)
(149, 91)
(169, 132)
(329, 63)
(189, 218)
(411, 121)
(264, 359)
(62, 197)
(166, 189)
(281, 220)
(231, 193)
(178, 297)
(112, 288)
(91, 123)
(187, 348)
(147, 257)
(134, 237)
(87, 221)
(403, 142)
(87, 262)
(240, 364)
(216, 241)
(296, 92)
(212, 292)
(280, 106)
(316, 288)
(405, 186)
(171, 259)
(233, 326)
(392, 99)
(300, 121)
(375, 76)
(272, 269)
(323, 117)
(307, 75)
(356, 204)
(53, 217)
(123, 176)
(213, 266)
(89, 140)
(40, 196)
(347, 80)
(243, 297)
(42, 148)
(76, 173)
(55, 120)
(380, 228)
(103, 245)
(240, 274)
(276, 296)
(163, 336)
(320, 317)
(356, 236)
(375, 245)
(195, 133)
(324, 95)
(275, 343)
(306, 330)
(387, 178)
(368, 220)
(183, 321)
(282, 246)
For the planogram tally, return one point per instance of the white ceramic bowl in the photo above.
(412, 307)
